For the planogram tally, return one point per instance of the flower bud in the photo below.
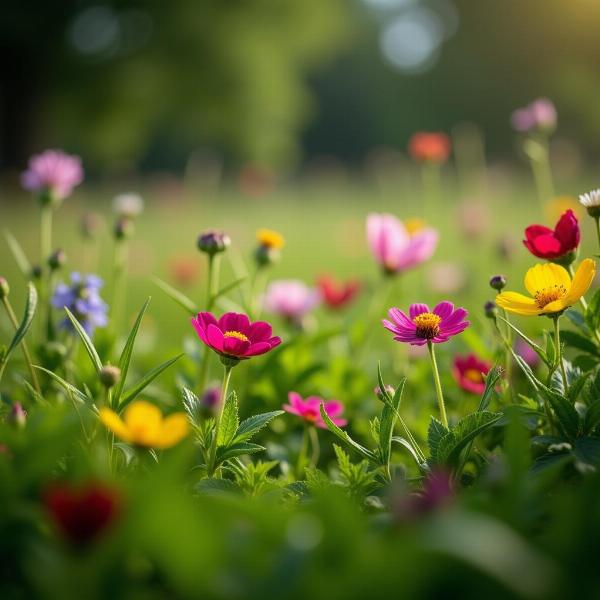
(213, 242)
(490, 309)
(267, 255)
(36, 272)
(57, 259)
(109, 376)
(124, 228)
(389, 390)
(18, 415)
(4, 288)
(498, 282)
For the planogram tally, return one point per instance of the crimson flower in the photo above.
(557, 243)
(233, 336)
(429, 147)
(336, 294)
(470, 371)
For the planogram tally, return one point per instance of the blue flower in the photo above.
(82, 298)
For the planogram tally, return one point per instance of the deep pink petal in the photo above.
(275, 341)
(333, 408)
(235, 347)
(295, 399)
(444, 309)
(456, 317)
(205, 319)
(259, 332)
(400, 317)
(214, 337)
(417, 309)
(258, 348)
(234, 322)
(200, 330)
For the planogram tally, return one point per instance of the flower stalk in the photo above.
(438, 384)
(218, 416)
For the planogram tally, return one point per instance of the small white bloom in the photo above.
(128, 205)
(590, 199)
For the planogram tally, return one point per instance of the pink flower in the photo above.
(309, 409)
(470, 372)
(233, 336)
(53, 172)
(291, 298)
(425, 326)
(539, 114)
(394, 247)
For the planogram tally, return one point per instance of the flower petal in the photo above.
(259, 331)
(215, 338)
(517, 303)
(143, 421)
(417, 309)
(234, 322)
(174, 428)
(112, 420)
(581, 281)
(547, 275)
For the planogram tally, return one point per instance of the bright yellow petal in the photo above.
(144, 422)
(546, 276)
(581, 281)
(174, 429)
(517, 303)
(112, 420)
(556, 306)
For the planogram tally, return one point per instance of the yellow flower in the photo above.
(551, 289)
(270, 238)
(143, 425)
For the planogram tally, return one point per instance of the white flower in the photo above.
(128, 205)
(590, 199)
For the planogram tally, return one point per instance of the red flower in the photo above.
(82, 513)
(336, 294)
(470, 371)
(433, 147)
(549, 244)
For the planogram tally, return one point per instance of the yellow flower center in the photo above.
(270, 238)
(544, 296)
(474, 375)
(414, 225)
(428, 325)
(237, 335)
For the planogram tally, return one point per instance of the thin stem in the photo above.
(438, 384)
(597, 219)
(218, 416)
(314, 442)
(302, 454)
(27, 356)
(46, 214)
(119, 287)
(559, 351)
(214, 264)
(542, 174)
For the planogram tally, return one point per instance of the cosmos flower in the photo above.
(143, 425)
(470, 372)
(423, 326)
(396, 248)
(429, 147)
(539, 114)
(558, 243)
(337, 295)
(233, 336)
(309, 409)
(83, 299)
(291, 299)
(551, 289)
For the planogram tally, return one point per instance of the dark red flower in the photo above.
(337, 294)
(429, 146)
(549, 244)
(82, 513)
(470, 372)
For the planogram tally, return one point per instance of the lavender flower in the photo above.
(83, 299)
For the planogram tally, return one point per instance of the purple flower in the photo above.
(82, 298)
(53, 173)
(423, 326)
(291, 298)
(539, 114)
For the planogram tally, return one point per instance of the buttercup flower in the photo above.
(591, 201)
(128, 205)
(553, 244)
(540, 114)
(53, 175)
(83, 299)
(394, 247)
(429, 147)
(423, 326)
(470, 372)
(143, 425)
(309, 409)
(233, 336)
(270, 238)
(291, 298)
(335, 294)
(551, 289)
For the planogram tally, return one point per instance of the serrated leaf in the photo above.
(229, 421)
(177, 296)
(87, 342)
(252, 425)
(229, 452)
(71, 389)
(18, 254)
(435, 432)
(567, 416)
(30, 307)
(192, 404)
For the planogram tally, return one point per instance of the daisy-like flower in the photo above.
(291, 299)
(396, 246)
(422, 325)
(591, 201)
(429, 147)
(233, 337)
(551, 289)
(143, 425)
(470, 372)
(560, 243)
(309, 409)
(52, 175)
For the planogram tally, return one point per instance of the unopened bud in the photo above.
(109, 375)
(18, 415)
(267, 255)
(36, 272)
(498, 282)
(124, 228)
(57, 259)
(490, 309)
(213, 242)
(390, 391)
(4, 288)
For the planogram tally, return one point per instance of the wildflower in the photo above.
(394, 247)
(143, 425)
(551, 288)
(269, 247)
(82, 514)
(335, 294)
(233, 337)
(470, 372)
(538, 115)
(498, 282)
(423, 326)
(309, 409)
(591, 201)
(213, 242)
(389, 390)
(291, 298)
(109, 375)
(4, 288)
(83, 299)
(18, 415)
(437, 494)
(128, 205)
(429, 147)
(561, 243)
(52, 175)
(490, 309)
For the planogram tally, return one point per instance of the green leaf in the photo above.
(192, 404)
(567, 416)
(177, 296)
(535, 347)
(592, 417)
(18, 254)
(404, 442)
(342, 435)
(467, 429)
(229, 452)
(125, 358)
(587, 451)
(592, 314)
(535, 382)
(382, 390)
(577, 319)
(132, 392)
(435, 433)
(252, 425)
(87, 342)
(30, 306)
(389, 414)
(71, 389)
(490, 385)
(576, 387)
(576, 340)
(228, 288)
(229, 421)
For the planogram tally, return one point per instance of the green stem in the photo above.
(597, 219)
(218, 416)
(559, 351)
(46, 213)
(314, 442)
(542, 174)
(302, 454)
(119, 288)
(438, 384)
(214, 264)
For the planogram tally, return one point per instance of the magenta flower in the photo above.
(539, 114)
(309, 409)
(233, 336)
(423, 326)
(291, 298)
(53, 173)
(395, 247)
